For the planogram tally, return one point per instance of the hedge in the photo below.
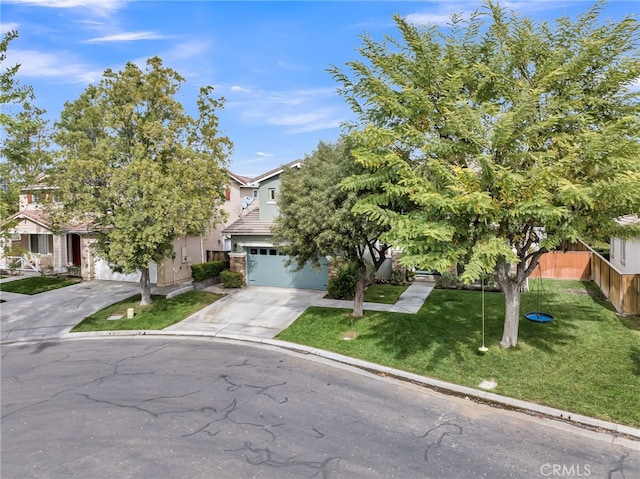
(200, 272)
(231, 279)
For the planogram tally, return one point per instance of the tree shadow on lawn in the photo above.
(635, 359)
(449, 325)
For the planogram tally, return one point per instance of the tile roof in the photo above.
(249, 224)
(40, 217)
(35, 216)
(275, 171)
(628, 220)
(243, 180)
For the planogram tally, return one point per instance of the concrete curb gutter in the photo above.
(176, 292)
(626, 436)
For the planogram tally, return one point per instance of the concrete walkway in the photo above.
(409, 302)
(263, 312)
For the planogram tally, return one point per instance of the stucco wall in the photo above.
(187, 251)
(630, 262)
(29, 227)
(268, 208)
(213, 239)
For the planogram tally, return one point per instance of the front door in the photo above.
(76, 256)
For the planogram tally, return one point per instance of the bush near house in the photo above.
(231, 279)
(452, 281)
(343, 285)
(200, 272)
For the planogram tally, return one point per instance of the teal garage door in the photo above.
(266, 267)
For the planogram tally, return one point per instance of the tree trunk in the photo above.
(363, 281)
(145, 287)
(361, 286)
(511, 315)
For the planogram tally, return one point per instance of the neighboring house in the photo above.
(624, 255)
(43, 249)
(72, 251)
(253, 252)
(241, 197)
(619, 276)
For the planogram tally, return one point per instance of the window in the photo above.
(272, 252)
(253, 251)
(263, 251)
(39, 244)
(623, 252)
(35, 197)
(255, 192)
(227, 194)
(272, 194)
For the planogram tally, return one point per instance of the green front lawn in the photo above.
(162, 312)
(383, 293)
(37, 284)
(586, 361)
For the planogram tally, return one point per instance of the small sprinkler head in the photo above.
(483, 349)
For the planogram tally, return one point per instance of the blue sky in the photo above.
(268, 59)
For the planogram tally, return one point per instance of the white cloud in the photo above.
(50, 65)
(240, 89)
(127, 37)
(102, 8)
(428, 18)
(263, 154)
(297, 111)
(188, 49)
(7, 27)
(289, 66)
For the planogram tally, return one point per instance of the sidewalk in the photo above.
(262, 312)
(409, 302)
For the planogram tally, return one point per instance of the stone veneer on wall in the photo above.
(238, 264)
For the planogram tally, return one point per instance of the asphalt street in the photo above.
(148, 407)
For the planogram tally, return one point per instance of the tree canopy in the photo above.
(138, 168)
(316, 216)
(25, 150)
(502, 136)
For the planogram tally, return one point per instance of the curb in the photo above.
(622, 435)
(180, 291)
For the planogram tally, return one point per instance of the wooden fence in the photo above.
(566, 265)
(580, 262)
(622, 290)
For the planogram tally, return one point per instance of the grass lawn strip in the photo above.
(383, 293)
(37, 284)
(161, 313)
(586, 361)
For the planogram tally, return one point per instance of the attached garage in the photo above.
(266, 267)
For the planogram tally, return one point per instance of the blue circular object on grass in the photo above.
(538, 317)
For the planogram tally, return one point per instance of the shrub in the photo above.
(231, 279)
(449, 281)
(200, 272)
(343, 285)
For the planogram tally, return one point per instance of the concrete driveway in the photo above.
(55, 312)
(256, 312)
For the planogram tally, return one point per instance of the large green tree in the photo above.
(137, 167)
(504, 135)
(316, 216)
(24, 152)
